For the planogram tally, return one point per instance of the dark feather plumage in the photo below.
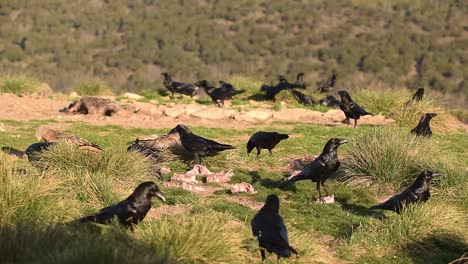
(322, 167)
(178, 87)
(423, 128)
(264, 140)
(418, 192)
(350, 108)
(268, 226)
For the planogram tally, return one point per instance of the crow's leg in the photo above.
(262, 252)
(323, 185)
(196, 158)
(347, 122)
(355, 122)
(271, 153)
(258, 151)
(320, 194)
(222, 102)
(278, 260)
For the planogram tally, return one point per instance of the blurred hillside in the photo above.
(128, 43)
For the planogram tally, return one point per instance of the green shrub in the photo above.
(420, 225)
(92, 88)
(19, 84)
(392, 157)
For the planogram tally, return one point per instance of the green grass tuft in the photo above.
(93, 88)
(19, 84)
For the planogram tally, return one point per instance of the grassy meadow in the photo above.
(36, 201)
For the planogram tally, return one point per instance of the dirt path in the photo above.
(167, 116)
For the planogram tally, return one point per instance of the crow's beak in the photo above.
(436, 174)
(342, 141)
(160, 196)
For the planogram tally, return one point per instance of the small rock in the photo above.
(242, 187)
(174, 111)
(328, 199)
(133, 96)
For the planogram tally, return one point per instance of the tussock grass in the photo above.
(92, 88)
(419, 226)
(19, 84)
(25, 196)
(198, 238)
(391, 156)
(380, 100)
(27, 242)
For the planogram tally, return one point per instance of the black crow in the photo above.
(350, 108)
(197, 145)
(268, 226)
(328, 85)
(35, 148)
(423, 128)
(322, 167)
(302, 98)
(178, 87)
(416, 193)
(418, 95)
(264, 140)
(299, 81)
(218, 95)
(330, 101)
(130, 211)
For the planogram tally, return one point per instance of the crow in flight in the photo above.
(350, 108)
(197, 145)
(418, 96)
(302, 98)
(416, 193)
(283, 84)
(322, 167)
(423, 128)
(328, 85)
(268, 226)
(178, 87)
(264, 140)
(218, 95)
(130, 211)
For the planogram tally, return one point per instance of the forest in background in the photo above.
(127, 43)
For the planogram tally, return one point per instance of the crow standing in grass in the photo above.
(225, 92)
(178, 87)
(350, 108)
(418, 95)
(302, 98)
(268, 226)
(36, 148)
(423, 128)
(328, 85)
(264, 140)
(197, 145)
(416, 193)
(130, 211)
(322, 167)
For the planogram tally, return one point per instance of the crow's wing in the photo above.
(197, 143)
(311, 171)
(358, 109)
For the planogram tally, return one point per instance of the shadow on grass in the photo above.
(359, 209)
(443, 248)
(271, 184)
(257, 97)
